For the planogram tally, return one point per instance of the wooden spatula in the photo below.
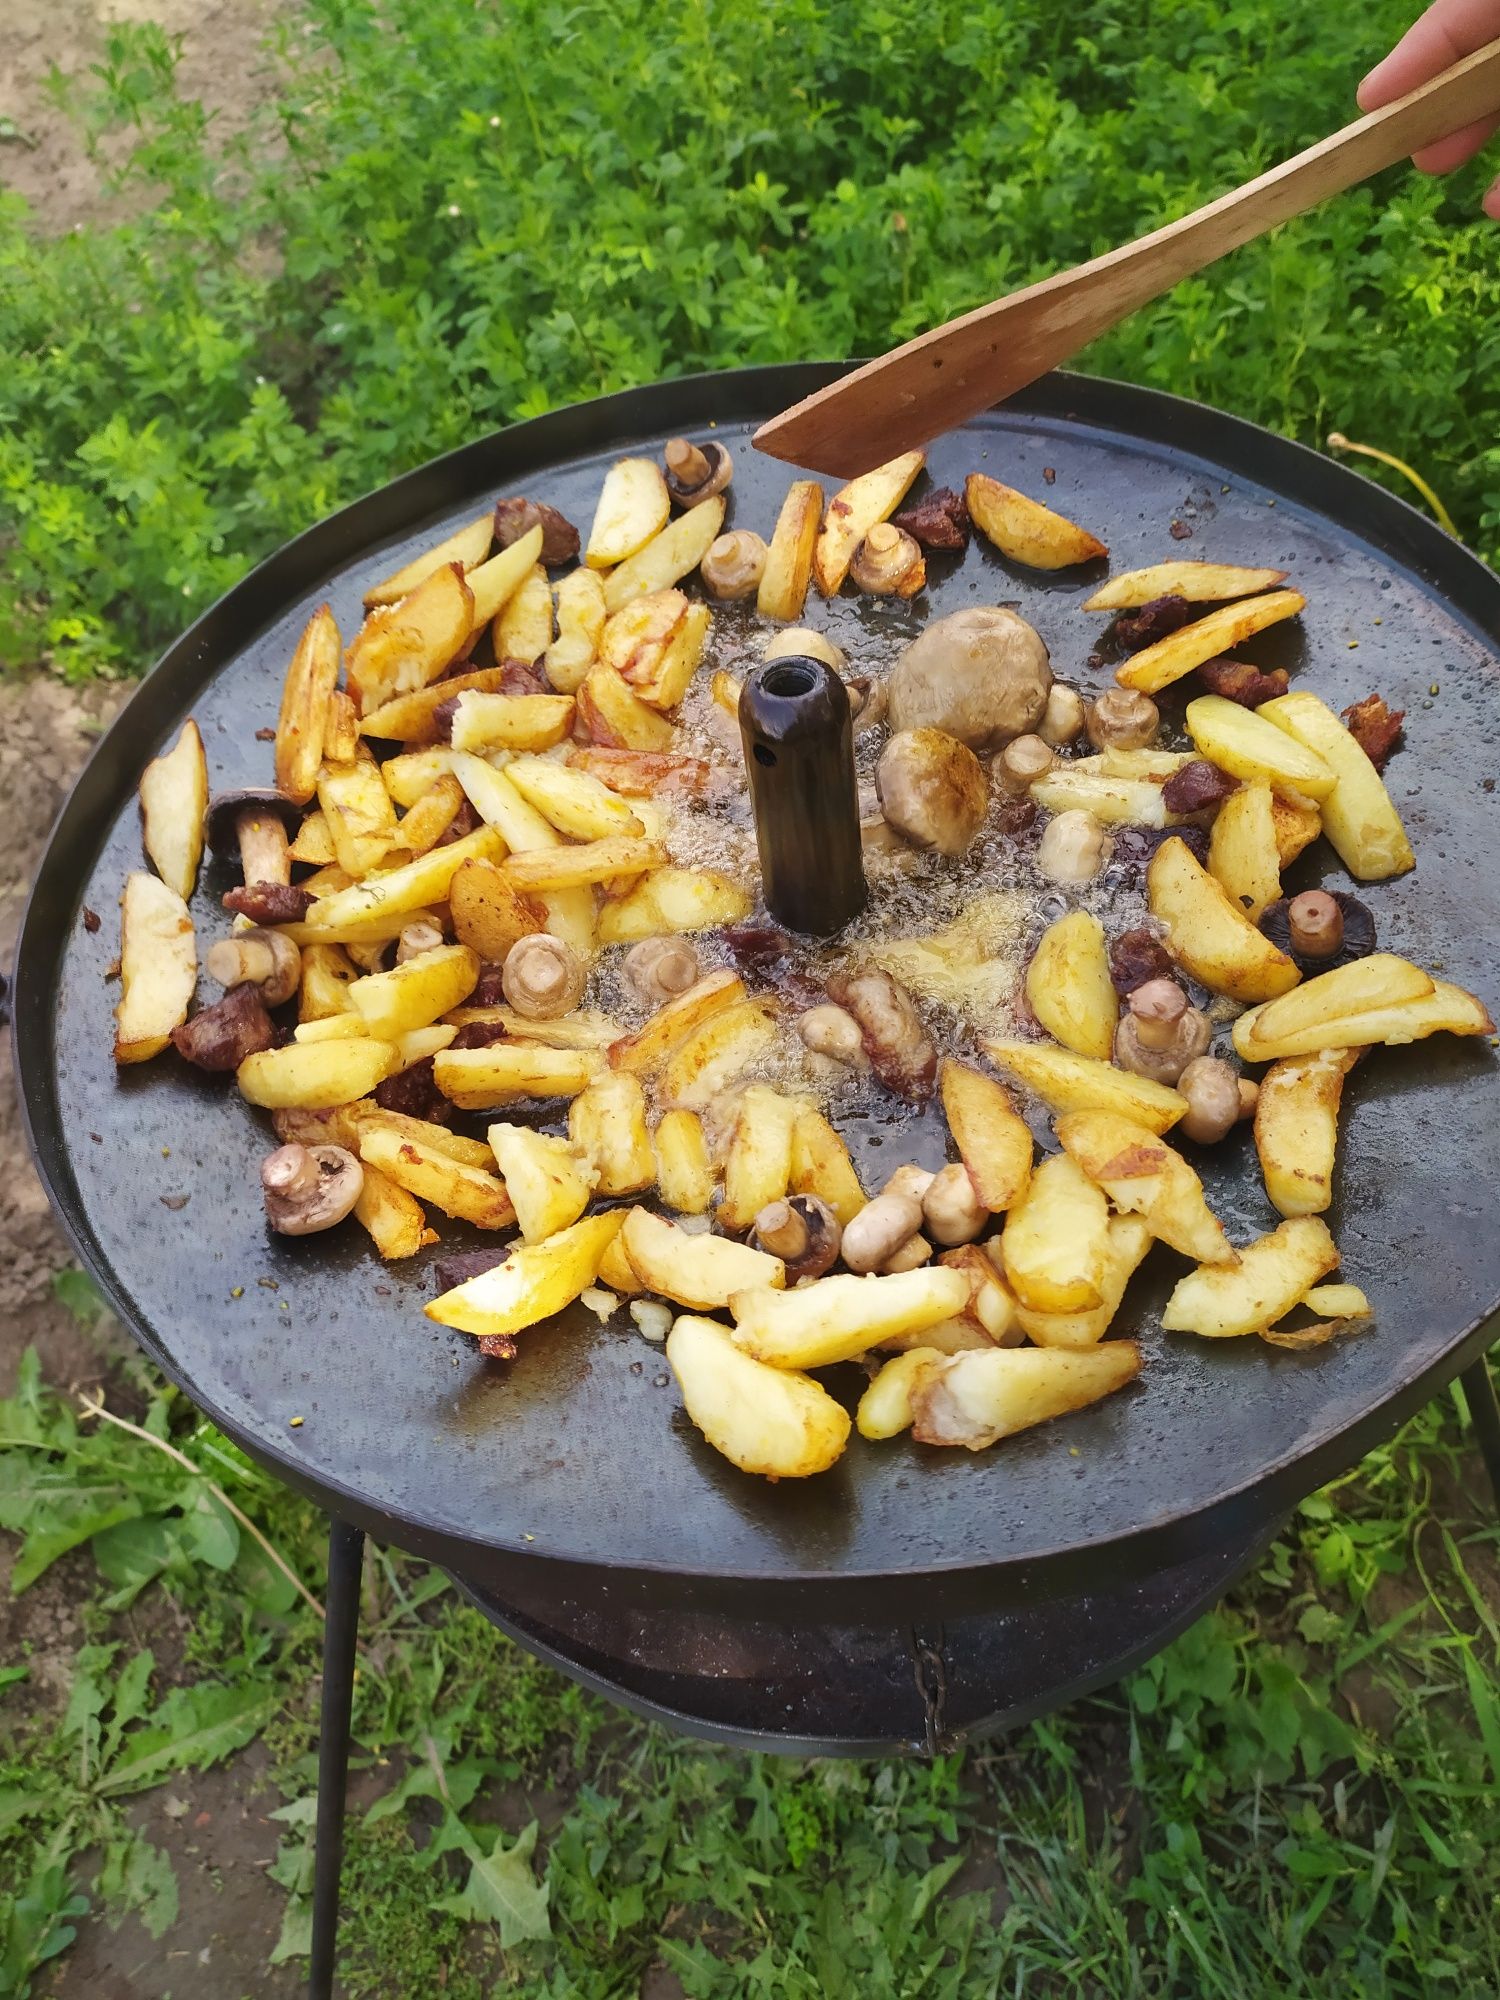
(915, 392)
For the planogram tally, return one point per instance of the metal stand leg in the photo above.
(346, 1548)
(1484, 1415)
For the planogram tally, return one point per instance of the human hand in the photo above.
(1444, 35)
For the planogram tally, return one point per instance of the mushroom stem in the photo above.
(263, 847)
(686, 462)
(289, 1172)
(416, 939)
(256, 958)
(1157, 1007)
(1315, 923)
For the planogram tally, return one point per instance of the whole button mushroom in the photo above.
(1214, 1101)
(658, 969)
(833, 1031)
(255, 823)
(542, 977)
(882, 1228)
(888, 563)
(1063, 718)
(803, 1231)
(733, 566)
(932, 789)
(1123, 719)
(981, 675)
(952, 1211)
(696, 472)
(308, 1188)
(1160, 1032)
(1073, 847)
(1021, 763)
(801, 642)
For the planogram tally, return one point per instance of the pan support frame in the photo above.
(930, 1658)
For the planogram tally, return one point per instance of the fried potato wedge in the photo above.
(885, 1407)
(1156, 667)
(580, 625)
(1144, 1176)
(1024, 530)
(535, 1281)
(1244, 857)
(341, 730)
(1274, 1274)
(549, 1180)
(399, 892)
(1129, 1240)
(413, 772)
(365, 1115)
(489, 915)
(469, 1194)
(703, 1272)
(466, 546)
(1358, 815)
(668, 557)
(360, 816)
(498, 803)
(415, 992)
(854, 510)
(974, 1400)
(648, 1048)
(576, 804)
(607, 1125)
(327, 974)
(789, 560)
(174, 799)
(771, 1421)
(835, 1319)
(1069, 987)
(507, 1072)
(993, 1140)
(673, 675)
(684, 1173)
(713, 1055)
(635, 639)
(1338, 1302)
(1296, 1129)
(1068, 1082)
(616, 717)
(421, 828)
(1056, 1239)
(1446, 1010)
(523, 628)
(540, 869)
(494, 584)
(633, 507)
(645, 774)
(1298, 823)
(405, 646)
(313, 847)
(1382, 979)
(992, 1311)
(674, 899)
(1198, 582)
(758, 1167)
(485, 722)
(312, 1075)
(821, 1165)
(1210, 936)
(413, 718)
(306, 694)
(395, 1219)
(1242, 742)
(158, 968)
(584, 1028)
(1115, 801)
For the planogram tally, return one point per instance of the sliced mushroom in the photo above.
(802, 1231)
(932, 789)
(308, 1188)
(259, 958)
(696, 472)
(658, 969)
(542, 977)
(888, 563)
(981, 675)
(1160, 1032)
(733, 566)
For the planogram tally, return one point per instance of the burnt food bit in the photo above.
(939, 520)
(456, 1267)
(1375, 728)
(1135, 958)
(1197, 787)
(489, 989)
(1180, 531)
(269, 902)
(1241, 681)
(464, 822)
(517, 677)
(1156, 619)
(479, 1034)
(1356, 938)
(221, 1036)
(90, 920)
(415, 1095)
(514, 518)
(1134, 845)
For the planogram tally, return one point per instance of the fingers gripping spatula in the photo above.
(930, 384)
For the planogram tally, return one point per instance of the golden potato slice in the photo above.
(485, 722)
(616, 1270)
(1274, 1274)
(1210, 936)
(835, 1319)
(1056, 1239)
(1198, 582)
(506, 1072)
(523, 629)
(413, 718)
(704, 1272)
(363, 939)
(674, 899)
(635, 639)
(360, 816)
(758, 1168)
(770, 1421)
(789, 560)
(674, 672)
(469, 1194)
(1069, 987)
(428, 820)
(616, 717)
(712, 1056)
(1129, 1240)
(394, 1218)
(1380, 980)
(540, 869)
(1243, 855)
(580, 626)
(993, 1140)
(885, 1407)
(821, 1165)
(414, 1045)
(1068, 1082)
(573, 916)
(415, 992)
(1117, 763)
(684, 1174)
(305, 696)
(466, 546)
(572, 801)
(1446, 1010)
(346, 1027)
(584, 1028)
(313, 846)
(1156, 667)
(668, 557)
(1241, 742)
(1026, 531)
(1296, 1129)
(973, 1400)
(992, 1311)
(1298, 823)
(496, 583)
(496, 800)
(407, 645)
(414, 772)
(327, 974)
(633, 507)
(365, 1115)
(607, 1125)
(1338, 1302)
(648, 1048)
(340, 729)
(549, 1181)
(854, 510)
(1116, 801)
(158, 968)
(534, 1282)
(312, 1075)
(1143, 1175)
(174, 799)
(489, 915)
(1358, 815)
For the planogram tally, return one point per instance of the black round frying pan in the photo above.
(577, 1456)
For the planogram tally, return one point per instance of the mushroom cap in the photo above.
(981, 674)
(293, 1209)
(932, 789)
(225, 808)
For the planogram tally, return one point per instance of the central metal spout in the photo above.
(798, 734)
